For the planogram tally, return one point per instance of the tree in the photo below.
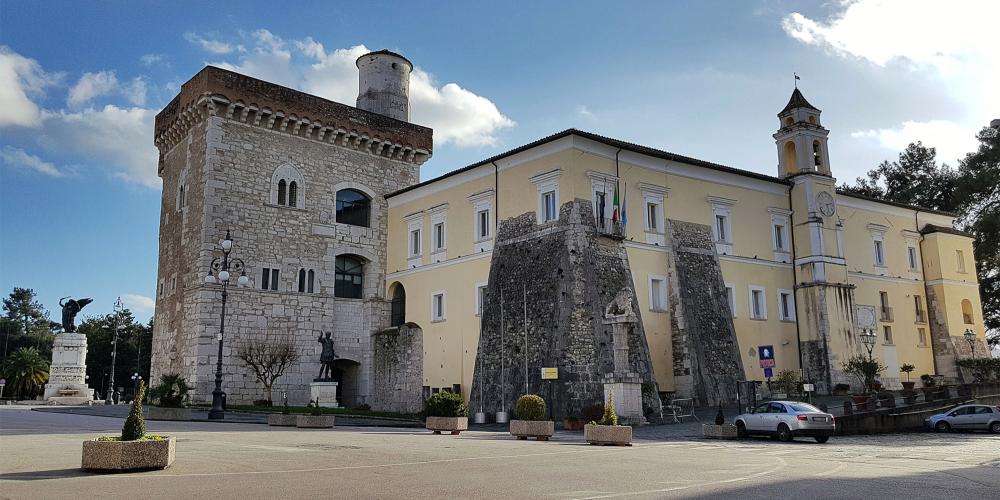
(21, 305)
(269, 358)
(25, 369)
(134, 347)
(915, 179)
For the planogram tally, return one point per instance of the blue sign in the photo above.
(768, 372)
(766, 353)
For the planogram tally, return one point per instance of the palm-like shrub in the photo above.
(135, 426)
(171, 392)
(25, 369)
(446, 404)
(865, 369)
(610, 417)
(530, 407)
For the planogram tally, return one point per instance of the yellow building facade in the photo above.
(806, 268)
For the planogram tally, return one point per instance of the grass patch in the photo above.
(147, 437)
(303, 410)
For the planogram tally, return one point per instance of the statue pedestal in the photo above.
(68, 372)
(627, 392)
(326, 392)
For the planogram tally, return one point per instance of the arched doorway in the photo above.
(346, 372)
(398, 298)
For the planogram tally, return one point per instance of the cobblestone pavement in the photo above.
(40, 458)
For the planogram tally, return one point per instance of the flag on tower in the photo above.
(614, 209)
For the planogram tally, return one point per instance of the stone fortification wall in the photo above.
(566, 275)
(398, 364)
(707, 361)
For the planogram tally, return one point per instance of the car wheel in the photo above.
(822, 439)
(741, 429)
(942, 426)
(784, 433)
(995, 427)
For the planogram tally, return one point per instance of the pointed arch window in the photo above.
(293, 191)
(282, 191)
(287, 187)
(302, 280)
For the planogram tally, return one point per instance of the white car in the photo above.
(967, 417)
(786, 420)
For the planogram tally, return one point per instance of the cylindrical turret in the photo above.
(384, 84)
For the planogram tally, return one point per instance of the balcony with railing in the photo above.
(610, 228)
(886, 314)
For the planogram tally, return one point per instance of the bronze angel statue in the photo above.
(70, 309)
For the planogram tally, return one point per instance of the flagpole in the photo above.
(503, 392)
(524, 291)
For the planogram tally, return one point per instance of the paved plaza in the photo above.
(40, 458)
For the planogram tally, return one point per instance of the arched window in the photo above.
(302, 280)
(789, 121)
(349, 280)
(353, 207)
(398, 305)
(281, 191)
(312, 281)
(791, 163)
(817, 155)
(293, 189)
(812, 118)
(967, 312)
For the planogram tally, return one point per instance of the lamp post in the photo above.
(868, 339)
(135, 385)
(119, 312)
(218, 274)
(970, 337)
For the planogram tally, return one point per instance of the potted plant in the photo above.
(531, 420)
(841, 389)
(607, 431)
(283, 419)
(572, 424)
(315, 419)
(721, 430)
(446, 411)
(866, 370)
(133, 449)
(930, 386)
(907, 368)
(168, 399)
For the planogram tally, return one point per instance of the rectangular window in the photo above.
(961, 260)
(439, 236)
(918, 307)
(658, 293)
(731, 297)
(779, 236)
(885, 309)
(786, 304)
(600, 205)
(921, 337)
(483, 224)
(758, 304)
(879, 254)
(911, 256)
(721, 228)
(480, 298)
(268, 279)
(549, 203)
(887, 334)
(437, 306)
(652, 215)
(414, 243)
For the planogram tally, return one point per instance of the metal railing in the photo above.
(610, 227)
(921, 316)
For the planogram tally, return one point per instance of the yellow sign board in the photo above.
(550, 373)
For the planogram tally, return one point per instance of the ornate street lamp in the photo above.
(868, 339)
(970, 337)
(119, 313)
(218, 274)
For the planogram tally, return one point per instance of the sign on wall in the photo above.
(550, 373)
(766, 354)
(864, 317)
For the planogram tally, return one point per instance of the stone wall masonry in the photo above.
(568, 274)
(398, 369)
(707, 361)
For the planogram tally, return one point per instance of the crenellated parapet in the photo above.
(240, 98)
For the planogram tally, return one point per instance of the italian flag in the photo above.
(615, 212)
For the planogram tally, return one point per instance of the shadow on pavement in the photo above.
(43, 474)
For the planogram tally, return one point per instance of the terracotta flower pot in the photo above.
(572, 425)
(908, 386)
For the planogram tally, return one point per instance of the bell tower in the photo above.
(801, 139)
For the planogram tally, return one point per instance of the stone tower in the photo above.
(824, 299)
(384, 84)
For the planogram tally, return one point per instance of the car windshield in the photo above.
(802, 407)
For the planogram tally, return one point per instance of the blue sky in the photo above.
(80, 83)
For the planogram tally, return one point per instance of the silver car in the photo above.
(967, 417)
(786, 420)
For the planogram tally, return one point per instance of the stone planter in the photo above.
(615, 435)
(128, 455)
(282, 420)
(163, 413)
(541, 430)
(724, 431)
(454, 425)
(314, 421)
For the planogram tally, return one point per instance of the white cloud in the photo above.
(955, 40)
(21, 78)
(209, 45)
(18, 158)
(952, 140)
(584, 112)
(91, 85)
(120, 139)
(135, 92)
(149, 60)
(138, 303)
(457, 115)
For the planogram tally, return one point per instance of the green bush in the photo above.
(135, 426)
(983, 369)
(446, 404)
(865, 369)
(928, 380)
(314, 408)
(610, 417)
(530, 407)
(907, 368)
(171, 392)
(788, 382)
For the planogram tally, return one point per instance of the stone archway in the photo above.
(347, 374)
